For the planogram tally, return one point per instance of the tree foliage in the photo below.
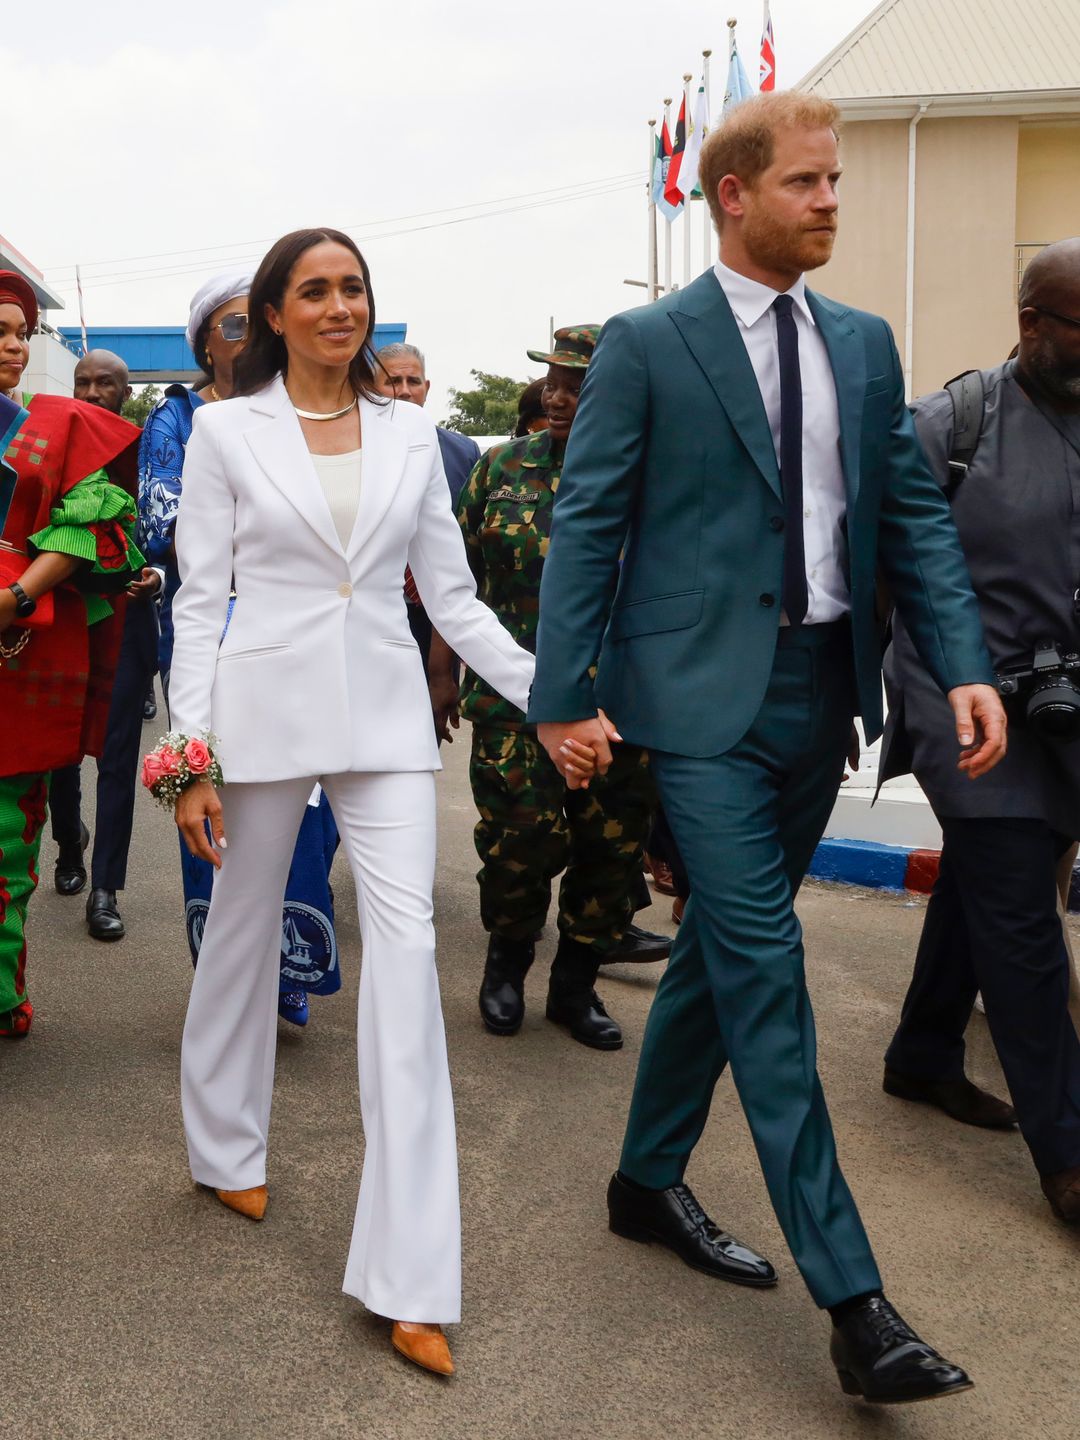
(138, 405)
(490, 409)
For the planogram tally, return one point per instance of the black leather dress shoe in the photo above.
(878, 1356)
(149, 709)
(103, 916)
(960, 1099)
(639, 947)
(70, 875)
(674, 1218)
(502, 992)
(585, 1017)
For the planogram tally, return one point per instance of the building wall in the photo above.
(966, 232)
(51, 370)
(867, 268)
(965, 260)
(1047, 184)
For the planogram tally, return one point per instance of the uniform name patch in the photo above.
(530, 497)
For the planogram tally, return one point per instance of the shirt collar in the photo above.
(750, 300)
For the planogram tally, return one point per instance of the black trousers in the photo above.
(992, 925)
(118, 767)
(65, 806)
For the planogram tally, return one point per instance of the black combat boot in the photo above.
(502, 994)
(573, 1002)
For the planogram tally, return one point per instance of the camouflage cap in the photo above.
(574, 345)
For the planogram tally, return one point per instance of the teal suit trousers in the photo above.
(734, 992)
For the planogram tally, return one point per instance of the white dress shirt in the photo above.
(824, 497)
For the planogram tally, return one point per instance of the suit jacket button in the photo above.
(344, 590)
(776, 523)
(767, 599)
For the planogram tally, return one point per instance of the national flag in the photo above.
(699, 128)
(661, 161)
(673, 191)
(738, 86)
(767, 71)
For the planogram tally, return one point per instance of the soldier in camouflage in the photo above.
(531, 826)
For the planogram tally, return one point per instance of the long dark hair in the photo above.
(265, 355)
(530, 407)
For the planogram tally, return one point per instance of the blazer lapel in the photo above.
(705, 321)
(848, 361)
(385, 451)
(278, 446)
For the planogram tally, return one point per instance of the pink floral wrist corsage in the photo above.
(177, 763)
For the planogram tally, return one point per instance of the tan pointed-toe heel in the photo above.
(251, 1203)
(424, 1345)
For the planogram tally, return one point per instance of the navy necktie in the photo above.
(787, 340)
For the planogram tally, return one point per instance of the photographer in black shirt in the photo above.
(1006, 445)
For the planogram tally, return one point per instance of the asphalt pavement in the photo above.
(134, 1305)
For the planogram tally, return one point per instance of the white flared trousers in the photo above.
(405, 1256)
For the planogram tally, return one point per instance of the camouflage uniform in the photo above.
(531, 826)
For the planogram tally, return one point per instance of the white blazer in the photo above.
(318, 673)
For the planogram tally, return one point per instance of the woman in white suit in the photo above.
(310, 494)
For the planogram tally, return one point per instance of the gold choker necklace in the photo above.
(333, 415)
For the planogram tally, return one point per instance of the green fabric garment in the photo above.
(672, 465)
(734, 991)
(22, 819)
(94, 521)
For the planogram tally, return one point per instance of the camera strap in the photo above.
(969, 404)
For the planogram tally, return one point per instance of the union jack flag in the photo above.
(767, 71)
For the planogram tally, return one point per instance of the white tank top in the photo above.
(339, 476)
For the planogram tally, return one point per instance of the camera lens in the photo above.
(1053, 709)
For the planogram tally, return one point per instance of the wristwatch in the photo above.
(24, 606)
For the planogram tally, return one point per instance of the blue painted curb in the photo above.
(891, 867)
(861, 862)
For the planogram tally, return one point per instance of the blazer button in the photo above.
(344, 590)
(767, 600)
(776, 523)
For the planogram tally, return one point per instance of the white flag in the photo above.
(699, 126)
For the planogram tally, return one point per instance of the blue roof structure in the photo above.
(160, 353)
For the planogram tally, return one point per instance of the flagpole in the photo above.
(82, 318)
(651, 277)
(667, 235)
(688, 208)
(706, 227)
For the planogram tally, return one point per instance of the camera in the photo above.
(1050, 685)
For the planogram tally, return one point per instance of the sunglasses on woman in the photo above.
(233, 327)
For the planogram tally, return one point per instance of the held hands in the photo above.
(980, 728)
(197, 804)
(579, 749)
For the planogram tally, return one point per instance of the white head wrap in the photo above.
(213, 293)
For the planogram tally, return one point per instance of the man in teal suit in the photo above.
(744, 447)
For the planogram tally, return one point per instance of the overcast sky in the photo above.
(206, 131)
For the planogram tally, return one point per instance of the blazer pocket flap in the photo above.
(663, 612)
(250, 652)
(877, 385)
(425, 446)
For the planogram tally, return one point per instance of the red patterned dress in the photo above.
(74, 471)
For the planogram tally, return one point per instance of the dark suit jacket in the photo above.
(671, 464)
(459, 454)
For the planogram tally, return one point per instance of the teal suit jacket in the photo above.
(671, 467)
